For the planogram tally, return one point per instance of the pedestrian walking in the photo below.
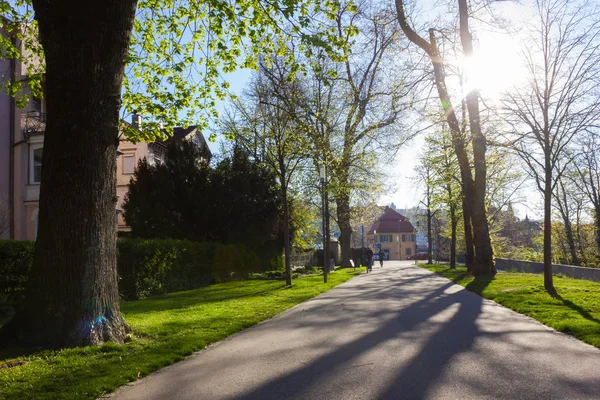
(381, 255)
(369, 259)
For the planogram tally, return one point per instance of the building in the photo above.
(393, 233)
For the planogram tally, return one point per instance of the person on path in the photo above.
(381, 257)
(369, 259)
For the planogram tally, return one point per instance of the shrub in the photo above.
(16, 258)
(146, 266)
(156, 266)
(235, 262)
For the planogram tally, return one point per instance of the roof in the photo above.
(391, 221)
(180, 133)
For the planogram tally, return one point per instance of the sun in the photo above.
(496, 66)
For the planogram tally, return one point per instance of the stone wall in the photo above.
(590, 274)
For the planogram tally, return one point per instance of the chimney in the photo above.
(136, 119)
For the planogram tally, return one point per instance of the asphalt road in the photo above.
(400, 332)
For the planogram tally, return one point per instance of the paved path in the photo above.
(398, 333)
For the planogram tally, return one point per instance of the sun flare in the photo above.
(495, 67)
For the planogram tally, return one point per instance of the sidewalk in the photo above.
(400, 332)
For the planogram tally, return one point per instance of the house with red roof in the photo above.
(393, 233)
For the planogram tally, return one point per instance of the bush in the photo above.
(16, 258)
(155, 266)
(147, 266)
(234, 262)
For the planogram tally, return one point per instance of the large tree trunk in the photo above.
(484, 257)
(597, 226)
(429, 236)
(72, 296)
(548, 279)
(286, 223)
(343, 213)
(453, 224)
(470, 250)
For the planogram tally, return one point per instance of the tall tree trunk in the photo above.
(453, 224)
(597, 227)
(429, 235)
(286, 222)
(484, 257)
(548, 279)
(343, 213)
(470, 250)
(72, 296)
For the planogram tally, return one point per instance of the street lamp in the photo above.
(323, 179)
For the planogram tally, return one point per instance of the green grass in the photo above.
(166, 328)
(575, 311)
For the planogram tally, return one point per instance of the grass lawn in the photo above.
(166, 328)
(575, 311)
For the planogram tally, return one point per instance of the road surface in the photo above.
(400, 332)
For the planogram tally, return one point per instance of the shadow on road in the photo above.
(413, 381)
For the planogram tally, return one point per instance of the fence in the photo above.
(590, 274)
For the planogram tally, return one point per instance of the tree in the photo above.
(269, 131)
(174, 199)
(72, 296)
(587, 180)
(560, 100)
(446, 179)
(350, 109)
(473, 188)
(425, 176)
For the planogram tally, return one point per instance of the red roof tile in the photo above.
(391, 221)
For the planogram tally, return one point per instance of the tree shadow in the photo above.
(455, 337)
(580, 310)
(406, 320)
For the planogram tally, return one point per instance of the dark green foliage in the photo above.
(237, 202)
(171, 200)
(146, 266)
(15, 262)
(157, 266)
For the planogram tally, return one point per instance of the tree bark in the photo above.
(470, 250)
(343, 213)
(286, 222)
(597, 226)
(548, 278)
(429, 235)
(72, 295)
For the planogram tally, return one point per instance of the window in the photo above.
(403, 237)
(385, 238)
(412, 238)
(35, 165)
(128, 163)
(409, 251)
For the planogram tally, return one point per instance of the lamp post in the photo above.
(323, 179)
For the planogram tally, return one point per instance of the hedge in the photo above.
(148, 266)
(16, 258)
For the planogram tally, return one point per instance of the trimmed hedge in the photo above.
(16, 258)
(155, 266)
(147, 266)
